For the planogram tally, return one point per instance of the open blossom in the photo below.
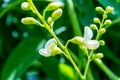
(86, 39)
(90, 44)
(50, 49)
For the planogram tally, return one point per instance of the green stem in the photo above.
(66, 53)
(35, 10)
(75, 24)
(73, 17)
(107, 71)
(88, 63)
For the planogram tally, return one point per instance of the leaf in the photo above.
(66, 72)
(21, 58)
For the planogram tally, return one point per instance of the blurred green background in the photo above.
(19, 44)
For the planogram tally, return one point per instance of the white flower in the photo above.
(87, 42)
(50, 49)
(86, 39)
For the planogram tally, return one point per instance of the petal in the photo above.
(91, 44)
(49, 43)
(88, 34)
(44, 53)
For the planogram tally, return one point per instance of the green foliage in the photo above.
(19, 44)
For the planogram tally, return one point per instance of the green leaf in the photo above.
(66, 72)
(21, 58)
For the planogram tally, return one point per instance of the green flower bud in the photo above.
(56, 14)
(96, 20)
(107, 22)
(102, 43)
(54, 6)
(77, 40)
(29, 20)
(25, 6)
(93, 26)
(49, 20)
(105, 16)
(102, 30)
(98, 55)
(99, 9)
(109, 9)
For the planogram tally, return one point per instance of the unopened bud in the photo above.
(102, 43)
(102, 30)
(93, 26)
(96, 20)
(109, 9)
(99, 9)
(105, 16)
(77, 40)
(25, 6)
(56, 14)
(98, 55)
(54, 6)
(29, 20)
(107, 22)
(49, 20)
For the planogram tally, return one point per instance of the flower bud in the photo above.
(99, 9)
(56, 14)
(49, 20)
(105, 16)
(93, 26)
(77, 40)
(98, 55)
(102, 30)
(29, 20)
(54, 6)
(25, 6)
(107, 22)
(102, 43)
(96, 20)
(109, 9)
